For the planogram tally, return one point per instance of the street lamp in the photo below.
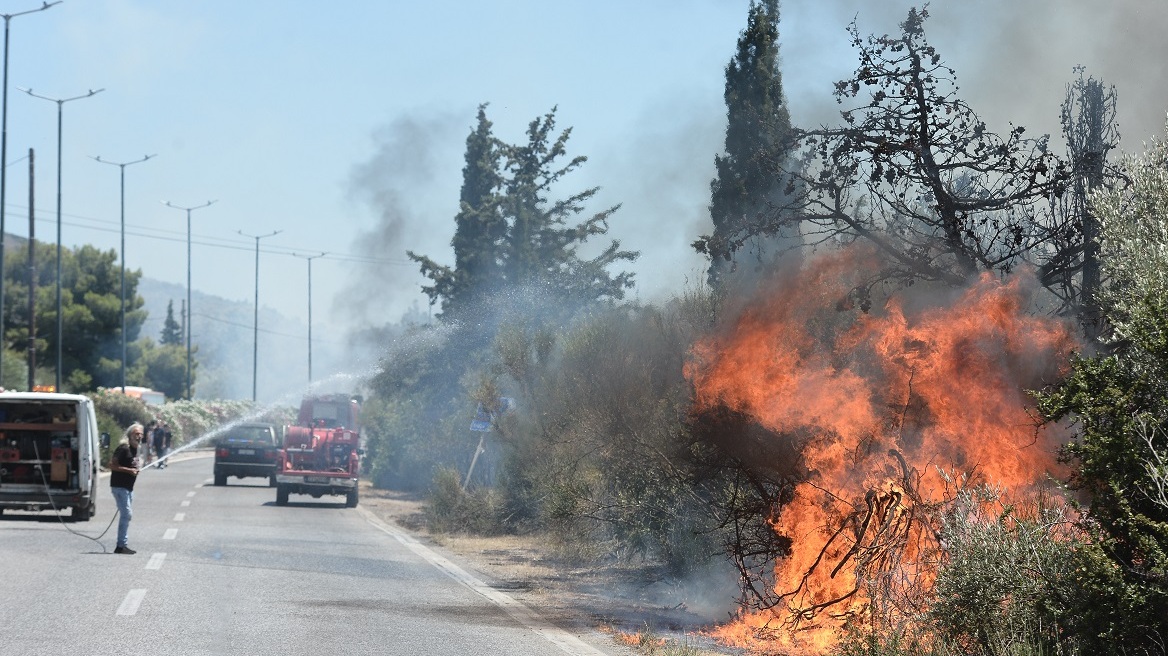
(190, 315)
(309, 258)
(60, 102)
(4, 160)
(255, 352)
(122, 166)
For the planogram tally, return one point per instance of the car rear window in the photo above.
(251, 435)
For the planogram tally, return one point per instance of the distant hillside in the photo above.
(223, 336)
(223, 339)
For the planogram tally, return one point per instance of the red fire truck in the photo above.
(322, 452)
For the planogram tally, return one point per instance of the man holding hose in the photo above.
(124, 467)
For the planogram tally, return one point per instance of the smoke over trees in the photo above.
(839, 438)
(914, 171)
(518, 267)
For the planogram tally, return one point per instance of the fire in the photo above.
(888, 411)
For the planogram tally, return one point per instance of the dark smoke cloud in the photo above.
(1013, 58)
(411, 181)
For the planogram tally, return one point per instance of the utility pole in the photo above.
(309, 258)
(122, 166)
(4, 160)
(31, 273)
(60, 102)
(255, 352)
(187, 324)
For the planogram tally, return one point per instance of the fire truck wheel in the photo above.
(281, 496)
(351, 501)
(220, 479)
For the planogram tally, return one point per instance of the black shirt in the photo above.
(123, 455)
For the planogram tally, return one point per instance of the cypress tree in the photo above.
(479, 229)
(172, 334)
(758, 139)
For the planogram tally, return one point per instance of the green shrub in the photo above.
(1008, 572)
(450, 509)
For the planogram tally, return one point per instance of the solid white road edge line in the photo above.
(132, 601)
(567, 642)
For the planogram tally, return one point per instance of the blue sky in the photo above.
(342, 124)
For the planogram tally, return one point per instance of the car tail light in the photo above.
(222, 453)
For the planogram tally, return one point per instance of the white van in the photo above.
(49, 452)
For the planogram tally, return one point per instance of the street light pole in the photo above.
(309, 258)
(255, 352)
(4, 160)
(122, 166)
(190, 316)
(60, 102)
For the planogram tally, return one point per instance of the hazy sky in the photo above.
(343, 124)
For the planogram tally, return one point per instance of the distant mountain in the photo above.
(223, 339)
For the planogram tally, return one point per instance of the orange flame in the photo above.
(884, 405)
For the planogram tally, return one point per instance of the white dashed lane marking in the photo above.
(190, 494)
(132, 601)
(170, 534)
(178, 517)
(185, 503)
(156, 561)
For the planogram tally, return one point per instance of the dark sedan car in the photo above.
(249, 449)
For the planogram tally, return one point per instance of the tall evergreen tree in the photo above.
(541, 246)
(510, 234)
(758, 139)
(479, 228)
(172, 334)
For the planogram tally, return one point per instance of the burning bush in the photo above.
(878, 414)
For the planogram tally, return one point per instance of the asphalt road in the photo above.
(223, 570)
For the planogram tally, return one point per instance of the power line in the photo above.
(262, 330)
(227, 244)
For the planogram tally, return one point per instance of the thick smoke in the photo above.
(1013, 59)
(412, 182)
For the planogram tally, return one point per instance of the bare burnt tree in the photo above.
(755, 471)
(1091, 132)
(916, 172)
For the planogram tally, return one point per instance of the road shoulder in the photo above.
(626, 603)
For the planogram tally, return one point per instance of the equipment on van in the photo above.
(49, 452)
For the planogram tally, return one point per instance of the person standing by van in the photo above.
(160, 443)
(124, 466)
